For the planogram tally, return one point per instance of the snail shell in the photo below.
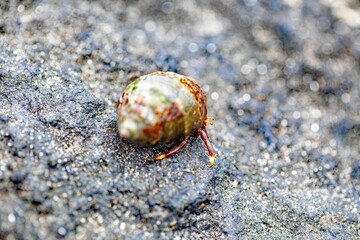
(161, 107)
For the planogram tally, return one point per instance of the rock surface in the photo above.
(282, 79)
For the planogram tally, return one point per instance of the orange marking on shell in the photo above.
(172, 112)
(153, 132)
(158, 113)
(118, 103)
(196, 91)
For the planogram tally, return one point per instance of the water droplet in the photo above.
(314, 127)
(21, 8)
(284, 122)
(296, 115)
(11, 218)
(314, 86)
(261, 69)
(122, 226)
(150, 26)
(193, 47)
(245, 69)
(62, 231)
(214, 96)
(246, 97)
(211, 48)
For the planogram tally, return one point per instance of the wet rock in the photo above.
(282, 83)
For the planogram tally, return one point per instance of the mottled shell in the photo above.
(160, 107)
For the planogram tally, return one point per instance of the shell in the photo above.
(161, 107)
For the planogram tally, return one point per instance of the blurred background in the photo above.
(282, 81)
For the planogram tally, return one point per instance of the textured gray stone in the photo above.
(282, 79)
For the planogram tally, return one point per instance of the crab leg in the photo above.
(174, 150)
(209, 146)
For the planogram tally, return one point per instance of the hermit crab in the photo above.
(161, 107)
